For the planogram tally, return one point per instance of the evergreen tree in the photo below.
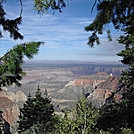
(37, 115)
(109, 117)
(82, 119)
(116, 116)
(120, 13)
(11, 63)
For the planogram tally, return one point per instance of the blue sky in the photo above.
(63, 33)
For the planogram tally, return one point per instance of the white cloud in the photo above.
(62, 34)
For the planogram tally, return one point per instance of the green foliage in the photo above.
(80, 120)
(10, 64)
(43, 5)
(37, 115)
(126, 131)
(128, 59)
(10, 25)
(114, 116)
(110, 117)
(120, 13)
(104, 132)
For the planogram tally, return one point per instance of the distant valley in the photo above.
(65, 81)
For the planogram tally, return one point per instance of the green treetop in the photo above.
(37, 115)
(82, 119)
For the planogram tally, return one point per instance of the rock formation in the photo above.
(104, 90)
(10, 110)
(15, 97)
(73, 89)
(89, 70)
(8, 104)
(93, 80)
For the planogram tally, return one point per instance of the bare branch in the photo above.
(21, 8)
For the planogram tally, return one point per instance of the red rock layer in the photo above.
(111, 84)
(105, 89)
(10, 110)
(101, 94)
(83, 82)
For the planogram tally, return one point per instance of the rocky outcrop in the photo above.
(93, 80)
(15, 97)
(10, 110)
(73, 89)
(111, 84)
(104, 90)
(9, 105)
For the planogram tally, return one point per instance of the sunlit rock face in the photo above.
(10, 110)
(73, 89)
(104, 90)
(8, 104)
(93, 80)
(19, 96)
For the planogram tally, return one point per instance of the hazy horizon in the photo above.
(68, 63)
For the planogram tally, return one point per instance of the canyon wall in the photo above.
(89, 70)
(73, 89)
(105, 89)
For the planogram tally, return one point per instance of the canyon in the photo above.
(66, 82)
(64, 85)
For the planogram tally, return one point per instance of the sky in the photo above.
(63, 33)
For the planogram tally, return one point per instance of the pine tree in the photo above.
(11, 63)
(109, 117)
(117, 117)
(120, 13)
(82, 119)
(85, 116)
(37, 115)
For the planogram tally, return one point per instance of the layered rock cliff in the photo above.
(89, 70)
(93, 80)
(8, 104)
(73, 89)
(104, 90)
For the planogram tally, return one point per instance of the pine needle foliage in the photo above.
(42, 6)
(37, 115)
(10, 25)
(120, 13)
(11, 63)
(82, 119)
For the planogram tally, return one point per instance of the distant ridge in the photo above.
(68, 63)
(71, 61)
